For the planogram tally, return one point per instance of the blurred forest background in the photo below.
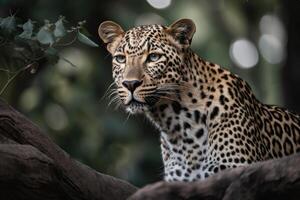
(258, 40)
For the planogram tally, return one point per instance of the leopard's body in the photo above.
(209, 118)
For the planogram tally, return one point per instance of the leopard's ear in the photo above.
(111, 33)
(182, 31)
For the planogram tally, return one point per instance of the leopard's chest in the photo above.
(185, 155)
(184, 141)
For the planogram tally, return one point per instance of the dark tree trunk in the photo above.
(291, 70)
(274, 179)
(33, 167)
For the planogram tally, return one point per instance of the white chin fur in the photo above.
(134, 109)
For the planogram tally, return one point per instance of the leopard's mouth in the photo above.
(135, 106)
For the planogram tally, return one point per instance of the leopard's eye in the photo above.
(153, 57)
(120, 58)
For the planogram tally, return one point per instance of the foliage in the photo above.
(27, 44)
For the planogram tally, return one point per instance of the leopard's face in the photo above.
(147, 62)
(144, 67)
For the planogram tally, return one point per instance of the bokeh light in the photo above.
(271, 48)
(271, 24)
(159, 4)
(30, 98)
(55, 117)
(273, 39)
(244, 53)
(74, 61)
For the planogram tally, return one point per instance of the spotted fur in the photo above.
(209, 118)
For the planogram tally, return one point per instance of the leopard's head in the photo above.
(147, 62)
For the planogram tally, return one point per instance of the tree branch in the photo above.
(33, 167)
(273, 179)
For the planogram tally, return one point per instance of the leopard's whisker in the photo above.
(118, 104)
(113, 93)
(113, 100)
(107, 90)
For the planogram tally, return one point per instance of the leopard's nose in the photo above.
(132, 84)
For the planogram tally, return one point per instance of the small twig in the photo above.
(67, 61)
(5, 70)
(13, 77)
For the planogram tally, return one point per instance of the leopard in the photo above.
(208, 117)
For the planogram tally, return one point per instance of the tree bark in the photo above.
(273, 179)
(33, 167)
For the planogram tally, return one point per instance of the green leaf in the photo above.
(28, 26)
(59, 30)
(27, 30)
(84, 39)
(8, 24)
(45, 36)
